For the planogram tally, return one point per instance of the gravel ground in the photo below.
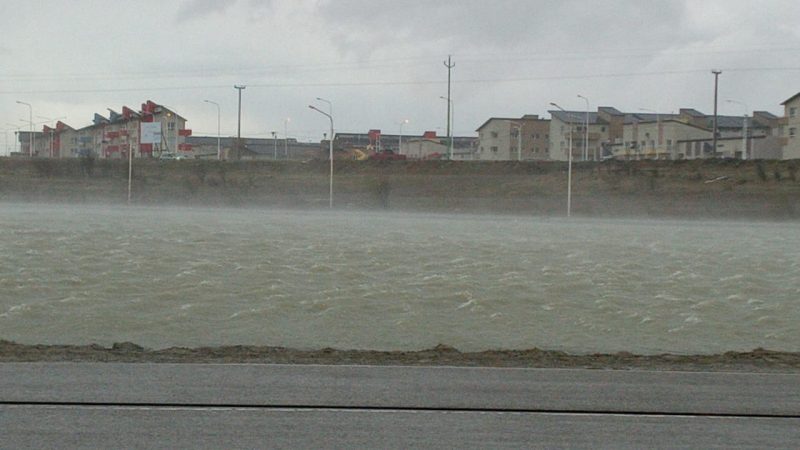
(758, 360)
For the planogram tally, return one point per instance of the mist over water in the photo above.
(164, 277)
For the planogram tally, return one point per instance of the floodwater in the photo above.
(164, 277)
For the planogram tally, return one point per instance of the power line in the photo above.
(632, 53)
(392, 83)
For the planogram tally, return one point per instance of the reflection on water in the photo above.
(191, 277)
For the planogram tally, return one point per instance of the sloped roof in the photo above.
(577, 117)
(791, 98)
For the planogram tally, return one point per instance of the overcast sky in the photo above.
(381, 62)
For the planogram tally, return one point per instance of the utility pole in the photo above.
(239, 87)
(449, 64)
(716, 73)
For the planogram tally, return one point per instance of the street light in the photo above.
(586, 131)
(744, 127)
(219, 138)
(239, 88)
(400, 139)
(569, 164)
(450, 125)
(330, 150)
(31, 139)
(286, 137)
(274, 145)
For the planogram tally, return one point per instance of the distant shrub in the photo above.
(762, 173)
(44, 167)
(792, 168)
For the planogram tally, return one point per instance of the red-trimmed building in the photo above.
(115, 135)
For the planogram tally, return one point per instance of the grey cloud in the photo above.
(193, 9)
(511, 24)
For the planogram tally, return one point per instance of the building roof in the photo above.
(765, 114)
(526, 117)
(610, 110)
(577, 117)
(791, 98)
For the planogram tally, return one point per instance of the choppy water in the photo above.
(191, 277)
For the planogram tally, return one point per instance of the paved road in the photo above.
(250, 406)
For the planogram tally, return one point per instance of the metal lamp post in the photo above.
(451, 115)
(286, 137)
(744, 127)
(31, 139)
(569, 164)
(330, 154)
(586, 131)
(219, 137)
(400, 138)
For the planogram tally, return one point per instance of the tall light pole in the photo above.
(451, 112)
(744, 127)
(330, 154)
(658, 129)
(219, 136)
(586, 130)
(400, 138)
(569, 164)
(31, 139)
(286, 137)
(239, 88)
(449, 64)
(716, 73)
(274, 145)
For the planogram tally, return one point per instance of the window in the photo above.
(669, 144)
(792, 132)
(793, 112)
(494, 149)
(494, 134)
(170, 126)
(603, 129)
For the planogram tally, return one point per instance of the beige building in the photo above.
(790, 127)
(504, 139)
(423, 148)
(567, 126)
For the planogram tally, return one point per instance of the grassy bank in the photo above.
(702, 188)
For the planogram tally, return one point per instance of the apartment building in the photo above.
(514, 139)
(790, 126)
(113, 136)
(685, 135)
(569, 129)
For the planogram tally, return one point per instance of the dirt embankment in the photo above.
(758, 360)
(700, 188)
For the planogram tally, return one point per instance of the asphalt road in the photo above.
(76, 405)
